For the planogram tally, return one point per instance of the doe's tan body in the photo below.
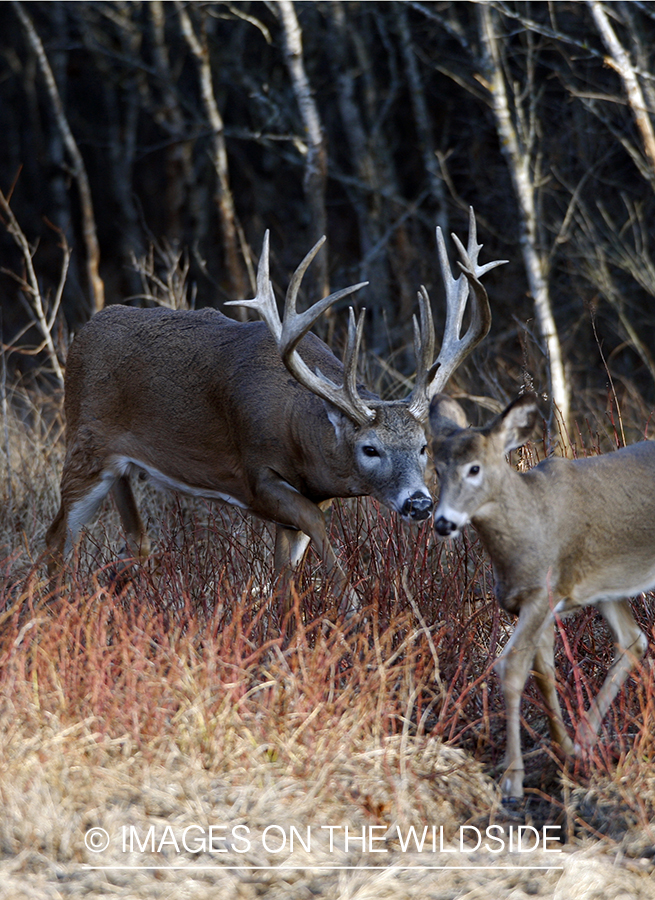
(564, 535)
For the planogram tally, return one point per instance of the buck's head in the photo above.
(385, 456)
(382, 442)
(469, 461)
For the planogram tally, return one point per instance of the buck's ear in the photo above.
(515, 424)
(446, 416)
(336, 417)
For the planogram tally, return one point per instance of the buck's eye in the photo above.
(473, 471)
(424, 449)
(370, 451)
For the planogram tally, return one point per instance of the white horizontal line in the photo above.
(283, 868)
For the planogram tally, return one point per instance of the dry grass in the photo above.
(187, 700)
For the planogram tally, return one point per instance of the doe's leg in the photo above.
(544, 670)
(513, 667)
(630, 645)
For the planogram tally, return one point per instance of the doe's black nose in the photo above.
(418, 506)
(444, 527)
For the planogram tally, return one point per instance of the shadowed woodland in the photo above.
(147, 146)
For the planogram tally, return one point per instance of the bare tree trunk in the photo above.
(178, 171)
(366, 201)
(59, 181)
(619, 60)
(122, 119)
(517, 151)
(96, 285)
(422, 120)
(227, 216)
(316, 160)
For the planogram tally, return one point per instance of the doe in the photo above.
(564, 535)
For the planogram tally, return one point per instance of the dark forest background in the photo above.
(158, 141)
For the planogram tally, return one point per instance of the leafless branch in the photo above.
(96, 285)
(43, 319)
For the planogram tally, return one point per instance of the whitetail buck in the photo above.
(566, 534)
(261, 415)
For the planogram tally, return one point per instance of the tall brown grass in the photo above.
(195, 660)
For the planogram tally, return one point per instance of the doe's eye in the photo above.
(473, 471)
(424, 449)
(369, 451)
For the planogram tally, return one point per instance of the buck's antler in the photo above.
(432, 377)
(294, 325)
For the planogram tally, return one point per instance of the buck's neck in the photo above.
(322, 458)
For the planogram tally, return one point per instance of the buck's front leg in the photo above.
(279, 501)
(291, 544)
(513, 667)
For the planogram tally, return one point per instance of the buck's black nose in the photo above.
(444, 527)
(418, 506)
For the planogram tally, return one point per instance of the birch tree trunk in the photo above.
(516, 149)
(316, 158)
(620, 61)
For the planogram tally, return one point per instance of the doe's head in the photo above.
(468, 461)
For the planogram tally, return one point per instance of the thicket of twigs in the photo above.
(186, 694)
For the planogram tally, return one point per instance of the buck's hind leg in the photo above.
(139, 544)
(80, 500)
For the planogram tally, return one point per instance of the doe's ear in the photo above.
(446, 416)
(516, 423)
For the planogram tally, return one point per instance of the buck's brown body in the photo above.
(211, 434)
(261, 415)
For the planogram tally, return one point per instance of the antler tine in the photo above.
(473, 249)
(455, 347)
(424, 341)
(345, 397)
(350, 357)
(264, 302)
(480, 312)
(294, 325)
(456, 289)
